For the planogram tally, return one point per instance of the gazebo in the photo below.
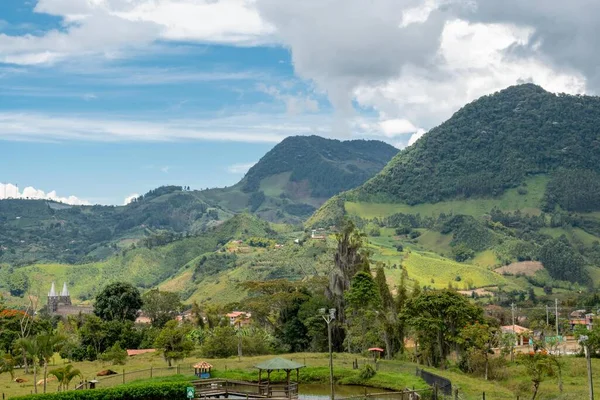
(280, 364)
(202, 370)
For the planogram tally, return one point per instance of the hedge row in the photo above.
(150, 391)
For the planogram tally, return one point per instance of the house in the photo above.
(523, 334)
(317, 234)
(580, 317)
(240, 318)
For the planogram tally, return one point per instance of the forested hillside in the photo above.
(300, 173)
(286, 185)
(494, 144)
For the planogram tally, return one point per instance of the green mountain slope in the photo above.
(494, 144)
(301, 173)
(286, 185)
(145, 265)
(511, 177)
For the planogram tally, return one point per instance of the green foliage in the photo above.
(173, 342)
(212, 264)
(438, 317)
(574, 190)
(562, 261)
(221, 342)
(18, 283)
(147, 391)
(363, 291)
(461, 252)
(493, 144)
(260, 242)
(116, 355)
(255, 201)
(118, 301)
(161, 306)
(367, 372)
(329, 166)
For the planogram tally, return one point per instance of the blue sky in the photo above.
(102, 99)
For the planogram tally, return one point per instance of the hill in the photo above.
(301, 173)
(286, 185)
(513, 176)
(146, 265)
(495, 143)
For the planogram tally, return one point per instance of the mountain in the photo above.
(301, 173)
(286, 185)
(495, 143)
(510, 177)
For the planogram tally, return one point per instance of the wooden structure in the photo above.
(217, 388)
(278, 364)
(202, 370)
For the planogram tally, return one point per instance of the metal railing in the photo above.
(226, 387)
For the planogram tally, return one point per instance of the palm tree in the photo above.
(47, 345)
(65, 375)
(29, 347)
(7, 363)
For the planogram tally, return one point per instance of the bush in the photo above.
(148, 391)
(115, 354)
(367, 372)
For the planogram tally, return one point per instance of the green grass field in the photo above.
(511, 200)
(513, 380)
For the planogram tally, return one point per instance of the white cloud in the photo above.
(111, 26)
(416, 136)
(165, 169)
(395, 127)
(10, 191)
(295, 103)
(240, 168)
(130, 198)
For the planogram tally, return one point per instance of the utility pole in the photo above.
(512, 310)
(556, 309)
(328, 319)
(583, 339)
(547, 316)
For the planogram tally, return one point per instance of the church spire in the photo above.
(52, 291)
(65, 291)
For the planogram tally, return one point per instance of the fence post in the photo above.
(456, 394)
(178, 369)
(123, 375)
(150, 371)
(483, 395)
(435, 391)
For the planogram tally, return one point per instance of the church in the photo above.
(60, 304)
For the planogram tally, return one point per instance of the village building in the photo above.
(522, 334)
(239, 318)
(60, 303)
(581, 318)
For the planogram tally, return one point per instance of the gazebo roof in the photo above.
(203, 365)
(379, 349)
(279, 363)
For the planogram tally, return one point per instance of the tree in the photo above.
(173, 342)
(437, 317)
(29, 347)
(92, 334)
(562, 261)
(363, 307)
(478, 340)
(118, 301)
(538, 366)
(161, 307)
(47, 345)
(7, 364)
(115, 354)
(18, 283)
(65, 375)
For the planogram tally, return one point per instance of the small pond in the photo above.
(321, 392)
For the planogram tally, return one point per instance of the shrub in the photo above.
(148, 391)
(367, 372)
(115, 354)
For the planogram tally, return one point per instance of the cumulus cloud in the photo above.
(130, 198)
(240, 168)
(10, 191)
(133, 24)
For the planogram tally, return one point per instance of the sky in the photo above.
(104, 99)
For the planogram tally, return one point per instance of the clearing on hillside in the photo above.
(527, 268)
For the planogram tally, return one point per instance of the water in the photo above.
(321, 392)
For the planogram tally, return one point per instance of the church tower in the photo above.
(55, 299)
